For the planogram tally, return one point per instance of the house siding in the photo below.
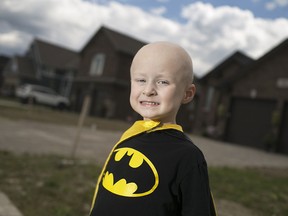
(263, 78)
(109, 91)
(249, 105)
(261, 83)
(101, 44)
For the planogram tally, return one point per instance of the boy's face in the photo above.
(158, 83)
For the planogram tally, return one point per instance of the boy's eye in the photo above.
(163, 82)
(141, 80)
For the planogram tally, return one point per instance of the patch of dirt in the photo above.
(230, 208)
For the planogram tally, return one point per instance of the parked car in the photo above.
(29, 93)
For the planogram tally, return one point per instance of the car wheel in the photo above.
(61, 106)
(31, 100)
(24, 100)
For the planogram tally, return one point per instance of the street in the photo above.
(94, 145)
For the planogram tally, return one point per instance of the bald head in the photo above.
(161, 80)
(166, 54)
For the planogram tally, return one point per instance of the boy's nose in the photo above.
(149, 91)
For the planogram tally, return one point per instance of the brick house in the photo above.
(104, 73)
(215, 94)
(45, 64)
(3, 62)
(246, 101)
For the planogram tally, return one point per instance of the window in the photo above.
(14, 66)
(209, 98)
(97, 64)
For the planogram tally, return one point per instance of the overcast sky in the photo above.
(209, 30)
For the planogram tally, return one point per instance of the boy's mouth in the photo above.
(149, 103)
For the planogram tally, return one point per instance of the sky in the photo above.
(209, 30)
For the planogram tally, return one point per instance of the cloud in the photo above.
(64, 22)
(271, 5)
(159, 11)
(212, 33)
(208, 33)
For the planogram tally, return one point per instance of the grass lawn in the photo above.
(13, 110)
(47, 185)
(260, 189)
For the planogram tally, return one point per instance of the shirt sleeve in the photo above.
(195, 195)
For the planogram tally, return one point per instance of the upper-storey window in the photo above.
(97, 64)
(209, 98)
(14, 66)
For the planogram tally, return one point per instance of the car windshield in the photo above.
(43, 90)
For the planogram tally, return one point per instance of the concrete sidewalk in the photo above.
(6, 207)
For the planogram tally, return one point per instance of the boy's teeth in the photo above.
(149, 103)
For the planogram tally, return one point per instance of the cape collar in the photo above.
(147, 126)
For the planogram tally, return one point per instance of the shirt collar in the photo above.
(147, 126)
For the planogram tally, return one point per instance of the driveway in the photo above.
(39, 138)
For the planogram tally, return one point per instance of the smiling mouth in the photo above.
(149, 103)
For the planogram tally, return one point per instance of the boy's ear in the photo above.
(189, 94)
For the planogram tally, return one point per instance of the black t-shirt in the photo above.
(159, 173)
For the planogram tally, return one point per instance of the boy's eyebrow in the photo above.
(137, 74)
(164, 75)
(161, 75)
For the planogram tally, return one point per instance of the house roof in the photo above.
(121, 42)
(247, 64)
(237, 58)
(54, 55)
(249, 69)
(25, 66)
(273, 51)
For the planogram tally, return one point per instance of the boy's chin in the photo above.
(162, 120)
(152, 119)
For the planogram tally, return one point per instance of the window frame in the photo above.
(97, 64)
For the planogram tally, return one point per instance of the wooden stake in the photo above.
(84, 111)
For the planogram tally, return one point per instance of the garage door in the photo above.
(283, 147)
(250, 121)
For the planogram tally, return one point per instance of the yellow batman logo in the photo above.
(129, 189)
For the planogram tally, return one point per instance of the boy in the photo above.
(155, 170)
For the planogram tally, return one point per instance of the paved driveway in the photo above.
(39, 138)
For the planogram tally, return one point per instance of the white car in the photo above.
(29, 93)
